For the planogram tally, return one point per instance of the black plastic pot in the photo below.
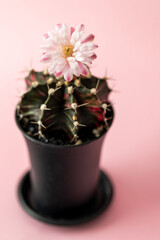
(65, 185)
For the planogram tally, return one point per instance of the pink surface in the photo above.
(128, 35)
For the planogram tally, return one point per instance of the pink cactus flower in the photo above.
(68, 51)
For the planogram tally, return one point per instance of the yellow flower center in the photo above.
(68, 51)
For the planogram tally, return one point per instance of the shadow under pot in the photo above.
(65, 185)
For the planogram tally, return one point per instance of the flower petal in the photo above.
(75, 37)
(46, 48)
(76, 46)
(85, 57)
(94, 56)
(88, 46)
(80, 27)
(46, 58)
(89, 38)
(68, 75)
(74, 66)
(51, 68)
(88, 59)
(71, 31)
(58, 74)
(51, 33)
(64, 33)
(79, 56)
(60, 67)
(58, 60)
(58, 26)
(83, 69)
(45, 36)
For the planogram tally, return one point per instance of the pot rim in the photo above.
(51, 145)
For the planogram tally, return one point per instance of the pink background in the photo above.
(128, 35)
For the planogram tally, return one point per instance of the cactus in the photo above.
(66, 101)
(71, 109)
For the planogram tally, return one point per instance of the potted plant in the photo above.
(64, 116)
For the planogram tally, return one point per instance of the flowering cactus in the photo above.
(66, 100)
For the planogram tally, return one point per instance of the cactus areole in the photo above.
(65, 105)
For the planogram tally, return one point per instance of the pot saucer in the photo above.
(100, 202)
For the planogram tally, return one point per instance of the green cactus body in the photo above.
(55, 105)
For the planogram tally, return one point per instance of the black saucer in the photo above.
(100, 202)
